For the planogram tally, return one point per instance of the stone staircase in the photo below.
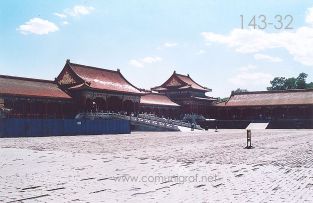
(144, 121)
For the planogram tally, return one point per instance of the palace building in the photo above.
(81, 88)
(96, 89)
(34, 98)
(160, 105)
(267, 105)
(190, 95)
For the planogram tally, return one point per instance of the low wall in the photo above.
(291, 124)
(12, 127)
(225, 124)
(273, 124)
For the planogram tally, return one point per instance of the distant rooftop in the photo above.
(18, 86)
(270, 98)
(103, 79)
(180, 81)
(157, 99)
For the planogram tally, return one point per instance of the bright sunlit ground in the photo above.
(159, 167)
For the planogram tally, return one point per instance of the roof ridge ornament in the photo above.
(68, 61)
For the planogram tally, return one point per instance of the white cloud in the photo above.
(201, 51)
(169, 44)
(264, 57)
(247, 68)
(38, 26)
(60, 15)
(65, 22)
(151, 59)
(136, 63)
(309, 16)
(246, 77)
(79, 10)
(298, 43)
(146, 60)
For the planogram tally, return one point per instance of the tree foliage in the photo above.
(223, 99)
(238, 90)
(282, 83)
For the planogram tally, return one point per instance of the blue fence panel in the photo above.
(87, 128)
(35, 127)
(53, 127)
(15, 127)
(1, 128)
(56, 127)
(70, 127)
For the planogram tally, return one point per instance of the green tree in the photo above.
(309, 85)
(301, 81)
(224, 99)
(238, 90)
(290, 83)
(278, 83)
(282, 83)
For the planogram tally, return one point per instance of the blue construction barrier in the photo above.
(13, 127)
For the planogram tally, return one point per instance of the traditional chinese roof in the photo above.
(271, 98)
(157, 99)
(219, 104)
(178, 81)
(18, 86)
(205, 98)
(97, 78)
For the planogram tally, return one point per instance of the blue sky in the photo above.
(148, 40)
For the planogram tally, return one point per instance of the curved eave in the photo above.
(192, 88)
(139, 91)
(204, 88)
(173, 75)
(81, 80)
(157, 105)
(204, 99)
(103, 89)
(85, 87)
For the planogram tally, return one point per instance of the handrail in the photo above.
(141, 118)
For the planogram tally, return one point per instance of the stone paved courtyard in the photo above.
(159, 167)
